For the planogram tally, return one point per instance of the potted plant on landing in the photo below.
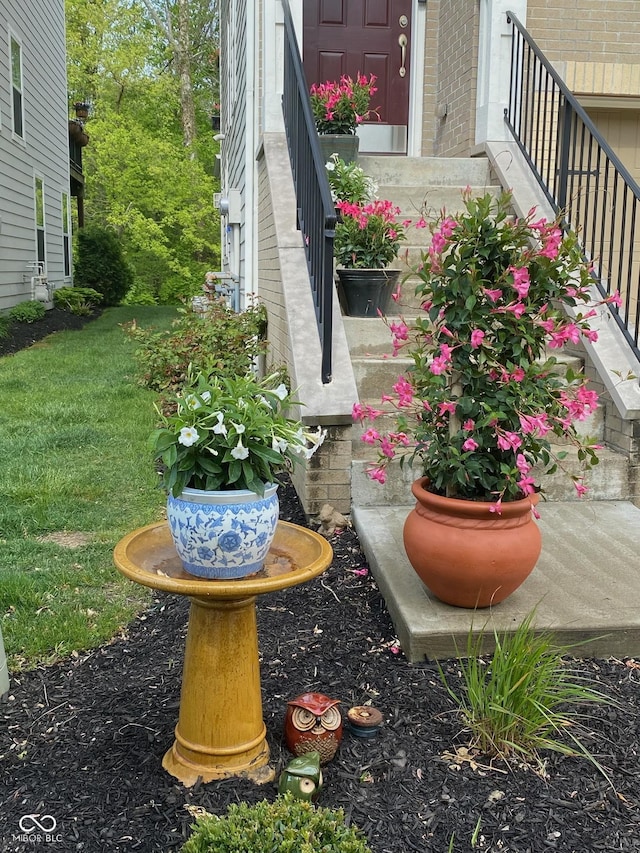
(349, 182)
(338, 108)
(367, 239)
(481, 398)
(220, 447)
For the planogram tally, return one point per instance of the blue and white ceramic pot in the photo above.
(225, 534)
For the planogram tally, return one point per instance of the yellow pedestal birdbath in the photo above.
(220, 730)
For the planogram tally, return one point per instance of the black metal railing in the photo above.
(580, 175)
(315, 210)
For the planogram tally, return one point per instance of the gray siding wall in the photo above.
(39, 27)
(233, 86)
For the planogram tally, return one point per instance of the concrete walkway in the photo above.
(586, 585)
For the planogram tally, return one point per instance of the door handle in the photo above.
(402, 41)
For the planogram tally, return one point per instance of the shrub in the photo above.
(77, 300)
(27, 312)
(100, 264)
(140, 294)
(285, 826)
(524, 699)
(4, 326)
(220, 342)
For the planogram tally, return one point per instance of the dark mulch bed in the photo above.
(23, 335)
(83, 740)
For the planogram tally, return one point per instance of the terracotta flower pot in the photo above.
(467, 555)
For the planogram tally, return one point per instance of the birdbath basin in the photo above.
(220, 730)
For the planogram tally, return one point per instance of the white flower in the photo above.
(279, 444)
(192, 402)
(330, 165)
(239, 428)
(265, 401)
(240, 452)
(212, 451)
(220, 428)
(188, 436)
(281, 391)
(316, 440)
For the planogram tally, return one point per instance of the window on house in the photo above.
(66, 233)
(40, 224)
(16, 87)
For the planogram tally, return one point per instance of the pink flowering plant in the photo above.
(368, 235)
(339, 107)
(485, 392)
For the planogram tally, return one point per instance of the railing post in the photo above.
(565, 123)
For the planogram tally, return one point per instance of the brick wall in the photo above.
(618, 434)
(457, 77)
(270, 275)
(586, 30)
(326, 478)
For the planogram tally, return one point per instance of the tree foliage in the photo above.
(142, 181)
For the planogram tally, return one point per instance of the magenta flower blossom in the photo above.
(477, 336)
(470, 444)
(371, 436)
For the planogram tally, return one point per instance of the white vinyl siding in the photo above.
(233, 99)
(38, 27)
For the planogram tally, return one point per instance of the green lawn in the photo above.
(74, 470)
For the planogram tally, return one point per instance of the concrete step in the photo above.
(585, 586)
(376, 376)
(423, 171)
(607, 481)
(428, 201)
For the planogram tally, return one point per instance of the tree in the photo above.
(186, 24)
(143, 182)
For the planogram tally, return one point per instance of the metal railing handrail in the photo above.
(574, 166)
(315, 211)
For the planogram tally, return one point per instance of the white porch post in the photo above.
(273, 60)
(494, 66)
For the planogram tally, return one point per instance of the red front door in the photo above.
(370, 37)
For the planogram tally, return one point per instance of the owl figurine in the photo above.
(313, 722)
(302, 776)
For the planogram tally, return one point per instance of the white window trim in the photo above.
(66, 229)
(14, 37)
(37, 177)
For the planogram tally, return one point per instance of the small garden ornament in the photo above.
(302, 777)
(313, 722)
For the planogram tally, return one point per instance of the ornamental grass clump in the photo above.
(482, 398)
(526, 698)
(230, 433)
(339, 107)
